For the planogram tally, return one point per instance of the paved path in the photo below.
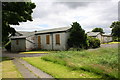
(107, 45)
(29, 71)
(33, 69)
(26, 69)
(23, 70)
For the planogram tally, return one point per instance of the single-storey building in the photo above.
(51, 39)
(104, 38)
(95, 35)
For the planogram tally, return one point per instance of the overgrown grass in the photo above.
(103, 61)
(58, 70)
(9, 69)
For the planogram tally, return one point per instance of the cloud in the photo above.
(61, 14)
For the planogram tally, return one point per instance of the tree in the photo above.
(12, 14)
(115, 30)
(78, 38)
(98, 30)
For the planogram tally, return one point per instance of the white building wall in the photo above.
(20, 47)
(53, 45)
(107, 39)
(30, 43)
(99, 37)
(63, 41)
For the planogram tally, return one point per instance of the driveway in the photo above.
(114, 45)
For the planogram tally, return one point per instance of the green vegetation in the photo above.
(57, 70)
(12, 14)
(8, 69)
(98, 30)
(102, 63)
(77, 38)
(93, 42)
(116, 30)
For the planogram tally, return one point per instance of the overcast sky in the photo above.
(90, 14)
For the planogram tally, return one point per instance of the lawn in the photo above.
(101, 63)
(9, 70)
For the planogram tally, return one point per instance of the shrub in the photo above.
(77, 38)
(93, 42)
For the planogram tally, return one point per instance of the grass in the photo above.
(9, 70)
(98, 63)
(57, 70)
(103, 61)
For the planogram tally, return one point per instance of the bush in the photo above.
(93, 42)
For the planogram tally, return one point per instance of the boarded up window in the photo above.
(57, 39)
(47, 39)
(17, 42)
(39, 42)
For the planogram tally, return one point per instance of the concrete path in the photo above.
(27, 70)
(33, 69)
(107, 45)
(23, 70)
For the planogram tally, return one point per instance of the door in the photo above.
(39, 42)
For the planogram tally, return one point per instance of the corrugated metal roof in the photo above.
(93, 33)
(18, 37)
(107, 35)
(26, 33)
(53, 30)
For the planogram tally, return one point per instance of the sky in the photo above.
(89, 14)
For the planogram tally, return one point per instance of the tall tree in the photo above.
(78, 38)
(116, 30)
(98, 30)
(12, 14)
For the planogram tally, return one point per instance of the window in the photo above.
(57, 39)
(17, 42)
(47, 39)
(39, 42)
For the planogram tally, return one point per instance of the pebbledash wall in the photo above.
(22, 43)
(18, 44)
(63, 36)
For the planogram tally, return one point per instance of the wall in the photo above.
(63, 41)
(107, 39)
(20, 47)
(99, 37)
(30, 43)
(52, 45)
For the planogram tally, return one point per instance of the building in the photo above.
(52, 39)
(95, 35)
(104, 38)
